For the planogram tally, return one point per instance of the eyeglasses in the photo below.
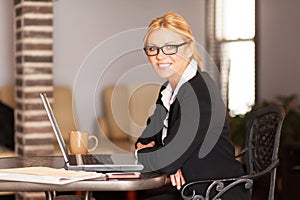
(168, 49)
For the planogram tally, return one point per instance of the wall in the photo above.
(84, 27)
(6, 42)
(81, 25)
(95, 44)
(279, 49)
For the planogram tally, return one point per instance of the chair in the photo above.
(260, 154)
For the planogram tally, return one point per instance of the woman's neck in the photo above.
(174, 80)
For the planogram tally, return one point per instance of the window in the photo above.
(231, 26)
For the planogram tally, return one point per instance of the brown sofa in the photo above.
(62, 108)
(125, 112)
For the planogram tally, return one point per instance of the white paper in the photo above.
(47, 175)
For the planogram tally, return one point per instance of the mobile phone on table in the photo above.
(120, 175)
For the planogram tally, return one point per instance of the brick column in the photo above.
(33, 74)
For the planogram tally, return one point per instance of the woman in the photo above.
(186, 120)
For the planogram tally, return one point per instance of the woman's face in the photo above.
(169, 66)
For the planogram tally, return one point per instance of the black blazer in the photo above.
(197, 112)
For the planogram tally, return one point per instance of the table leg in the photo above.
(86, 195)
(131, 195)
(50, 195)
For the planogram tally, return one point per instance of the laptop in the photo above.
(125, 162)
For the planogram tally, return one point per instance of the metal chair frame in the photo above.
(260, 152)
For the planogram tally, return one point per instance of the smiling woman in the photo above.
(174, 56)
(190, 117)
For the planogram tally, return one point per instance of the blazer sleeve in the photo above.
(153, 130)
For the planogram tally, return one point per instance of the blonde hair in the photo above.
(178, 24)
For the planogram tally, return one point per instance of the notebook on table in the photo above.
(125, 162)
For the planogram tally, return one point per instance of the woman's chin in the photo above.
(164, 73)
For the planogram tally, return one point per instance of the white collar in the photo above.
(167, 97)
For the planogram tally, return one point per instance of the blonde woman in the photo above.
(184, 114)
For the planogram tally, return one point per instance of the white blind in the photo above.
(231, 32)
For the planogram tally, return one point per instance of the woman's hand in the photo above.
(141, 146)
(177, 179)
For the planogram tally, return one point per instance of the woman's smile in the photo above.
(164, 65)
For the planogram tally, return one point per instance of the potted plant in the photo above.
(291, 124)
(290, 134)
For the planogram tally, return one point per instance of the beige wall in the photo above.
(80, 26)
(279, 48)
(6, 42)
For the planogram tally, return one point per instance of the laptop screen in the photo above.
(54, 124)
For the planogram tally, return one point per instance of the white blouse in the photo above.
(168, 96)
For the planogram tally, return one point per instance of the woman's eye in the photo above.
(152, 48)
(171, 46)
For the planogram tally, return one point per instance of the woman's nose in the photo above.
(160, 55)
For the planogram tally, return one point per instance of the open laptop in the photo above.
(91, 162)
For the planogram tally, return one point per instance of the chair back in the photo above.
(262, 143)
(261, 156)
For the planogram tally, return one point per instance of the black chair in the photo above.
(260, 156)
(290, 169)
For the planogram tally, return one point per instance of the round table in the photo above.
(147, 180)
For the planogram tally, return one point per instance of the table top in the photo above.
(147, 181)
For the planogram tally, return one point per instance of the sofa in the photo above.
(125, 112)
(62, 108)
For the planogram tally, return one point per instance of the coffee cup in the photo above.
(79, 142)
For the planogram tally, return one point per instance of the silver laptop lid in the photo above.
(55, 126)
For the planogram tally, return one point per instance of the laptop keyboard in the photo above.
(97, 159)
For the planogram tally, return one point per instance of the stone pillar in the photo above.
(33, 74)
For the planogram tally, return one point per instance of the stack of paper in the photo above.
(47, 175)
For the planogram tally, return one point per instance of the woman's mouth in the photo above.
(164, 65)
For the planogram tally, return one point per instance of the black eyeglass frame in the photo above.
(162, 49)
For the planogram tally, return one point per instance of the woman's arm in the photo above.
(154, 127)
